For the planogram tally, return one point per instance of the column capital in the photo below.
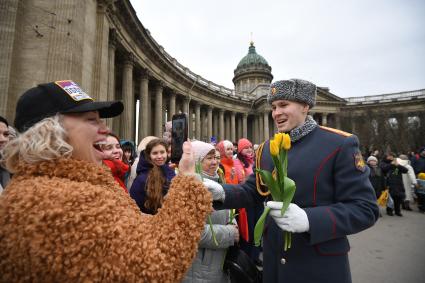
(113, 38)
(102, 6)
(129, 59)
(145, 74)
(160, 84)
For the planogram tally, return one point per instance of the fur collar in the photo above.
(68, 168)
(303, 130)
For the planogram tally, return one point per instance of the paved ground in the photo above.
(392, 251)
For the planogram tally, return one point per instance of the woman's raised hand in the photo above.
(187, 162)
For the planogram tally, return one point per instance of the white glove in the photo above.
(215, 189)
(293, 220)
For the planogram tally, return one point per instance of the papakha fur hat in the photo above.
(294, 90)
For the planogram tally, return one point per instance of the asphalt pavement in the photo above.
(392, 251)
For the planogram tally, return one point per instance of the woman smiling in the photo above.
(63, 218)
(154, 177)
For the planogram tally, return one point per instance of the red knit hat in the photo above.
(243, 143)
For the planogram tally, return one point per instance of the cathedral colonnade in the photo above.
(104, 47)
(158, 102)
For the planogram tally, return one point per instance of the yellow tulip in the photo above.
(278, 139)
(286, 144)
(274, 148)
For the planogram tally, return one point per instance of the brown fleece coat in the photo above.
(69, 221)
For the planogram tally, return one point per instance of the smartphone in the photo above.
(179, 134)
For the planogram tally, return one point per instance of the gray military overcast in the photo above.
(355, 47)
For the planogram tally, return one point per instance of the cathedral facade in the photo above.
(103, 46)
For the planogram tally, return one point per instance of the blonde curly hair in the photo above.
(44, 141)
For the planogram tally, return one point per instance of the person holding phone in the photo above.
(179, 134)
(63, 218)
(153, 177)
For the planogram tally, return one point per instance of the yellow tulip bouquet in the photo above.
(281, 187)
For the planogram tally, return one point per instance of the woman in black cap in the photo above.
(63, 218)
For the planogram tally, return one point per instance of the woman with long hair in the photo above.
(153, 177)
(63, 218)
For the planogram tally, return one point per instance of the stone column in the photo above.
(9, 35)
(186, 108)
(324, 119)
(172, 109)
(144, 106)
(337, 121)
(197, 121)
(100, 74)
(221, 125)
(158, 109)
(227, 126)
(266, 125)
(245, 125)
(186, 102)
(232, 126)
(260, 128)
(127, 121)
(111, 72)
(353, 124)
(254, 129)
(209, 122)
(215, 124)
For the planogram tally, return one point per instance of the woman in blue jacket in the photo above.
(153, 177)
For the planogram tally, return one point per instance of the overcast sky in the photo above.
(354, 47)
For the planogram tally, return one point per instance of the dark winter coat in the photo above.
(377, 179)
(394, 178)
(138, 188)
(334, 190)
(418, 164)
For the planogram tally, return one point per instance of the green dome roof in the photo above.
(252, 58)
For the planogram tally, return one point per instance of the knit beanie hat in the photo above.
(243, 143)
(371, 158)
(294, 90)
(201, 149)
(144, 142)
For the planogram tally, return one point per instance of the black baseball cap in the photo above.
(46, 100)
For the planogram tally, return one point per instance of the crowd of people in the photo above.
(79, 202)
(401, 176)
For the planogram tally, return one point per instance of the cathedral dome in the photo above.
(251, 72)
(252, 58)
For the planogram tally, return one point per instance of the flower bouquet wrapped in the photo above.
(281, 187)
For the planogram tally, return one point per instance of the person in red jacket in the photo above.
(227, 164)
(114, 153)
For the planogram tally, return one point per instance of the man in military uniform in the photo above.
(333, 199)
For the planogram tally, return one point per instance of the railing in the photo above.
(221, 90)
(390, 97)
